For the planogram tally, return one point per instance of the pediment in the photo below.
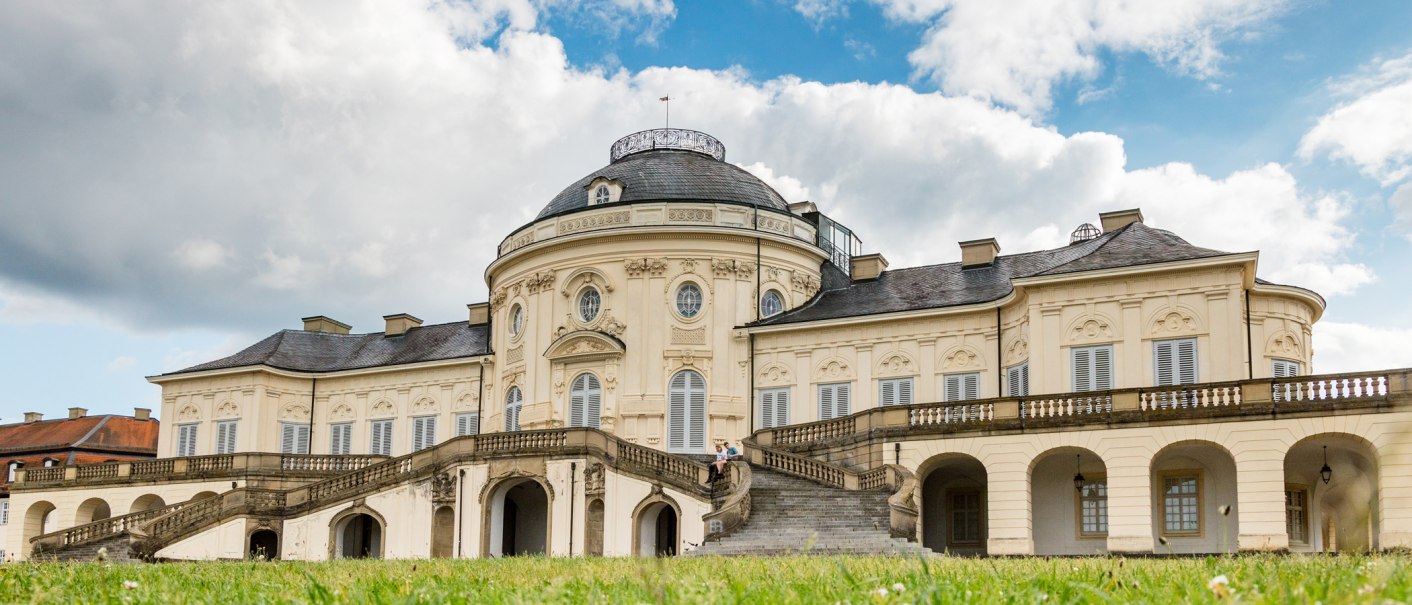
(581, 344)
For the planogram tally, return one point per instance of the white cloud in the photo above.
(1401, 203)
(359, 160)
(1373, 130)
(1354, 347)
(200, 254)
(122, 364)
(1015, 52)
(820, 11)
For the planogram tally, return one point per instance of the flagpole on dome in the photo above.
(668, 101)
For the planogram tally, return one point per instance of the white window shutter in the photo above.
(1163, 363)
(826, 401)
(1025, 379)
(887, 392)
(844, 401)
(340, 439)
(1102, 368)
(951, 390)
(904, 391)
(698, 412)
(1017, 380)
(1083, 369)
(381, 442)
(593, 408)
(513, 400)
(767, 408)
(676, 413)
(577, 394)
(973, 386)
(1284, 368)
(186, 440)
(1186, 361)
(286, 438)
(467, 424)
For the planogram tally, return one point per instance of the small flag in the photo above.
(665, 99)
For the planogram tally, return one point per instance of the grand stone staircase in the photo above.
(791, 515)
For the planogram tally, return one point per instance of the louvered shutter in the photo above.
(972, 385)
(698, 412)
(1284, 368)
(186, 440)
(1083, 369)
(381, 443)
(387, 437)
(1017, 380)
(676, 413)
(904, 391)
(467, 424)
(826, 401)
(1103, 368)
(1186, 361)
(286, 438)
(423, 432)
(843, 400)
(593, 410)
(1163, 356)
(340, 439)
(577, 394)
(225, 437)
(513, 399)
(887, 392)
(774, 407)
(951, 388)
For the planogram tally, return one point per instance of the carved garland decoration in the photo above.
(776, 374)
(834, 368)
(962, 358)
(896, 364)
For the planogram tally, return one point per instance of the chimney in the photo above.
(867, 266)
(398, 324)
(320, 323)
(77, 413)
(979, 253)
(480, 313)
(801, 208)
(1113, 221)
(142, 413)
(33, 417)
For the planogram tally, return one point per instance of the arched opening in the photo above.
(147, 502)
(1338, 516)
(953, 511)
(686, 413)
(201, 496)
(593, 528)
(443, 532)
(39, 518)
(1069, 502)
(1194, 499)
(92, 509)
(519, 519)
(656, 529)
(264, 545)
(358, 536)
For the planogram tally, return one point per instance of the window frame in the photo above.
(1276, 362)
(517, 321)
(771, 294)
(1022, 369)
(195, 428)
(4, 514)
(297, 427)
(846, 388)
(227, 433)
(1200, 496)
(591, 386)
(700, 302)
(514, 397)
(1177, 380)
(472, 419)
(583, 298)
(601, 195)
(334, 442)
(1093, 368)
(760, 405)
(1305, 526)
(951, 510)
(1079, 499)
(422, 424)
(897, 390)
(946, 392)
(386, 436)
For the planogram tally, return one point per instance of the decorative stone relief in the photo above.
(341, 411)
(228, 410)
(656, 267)
(294, 411)
(896, 364)
(520, 241)
(772, 273)
(593, 479)
(542, 281)
(1091, 328)
(807, 284)
(1284, 345)
(723, 267)
(189, 413)
(585, 345)
(443, 488)
(834, 368)
(1018, 351)
(1173, 321)
(382, 408)
(775, 374)
(609, 325)
(558, 379)
(688, 337)
(688, 265)
(497, 297)
(769, 223)
(693, 215)
(744, 269)
(515, 354)
(467, 400)
(635, 267)
(961, 358)
(594, 221)
(425, 405)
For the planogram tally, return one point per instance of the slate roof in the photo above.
(302, 351)
(667, 174)
(947, 285)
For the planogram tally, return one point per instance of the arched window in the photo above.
(590, 301)
(689, 300)
(771, 304)
(517, 320)
(513, 400)
(601, 195)
(585, 401)
(686, 413)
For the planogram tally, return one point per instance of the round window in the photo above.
(601, 195)
(771, 304)
(689, 300)
(590, 301)
(517, 320)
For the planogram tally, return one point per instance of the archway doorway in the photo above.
(519, 519)
(39, 518)
(147, 502)
(264, 545)
(1194, 500)
(593, 528)
(657, 534)
(359, 536)
(1338, 516)
(953, 512)
(1069, 502)
(443, 532)
(92, 509)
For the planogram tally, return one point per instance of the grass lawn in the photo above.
(1257, 579)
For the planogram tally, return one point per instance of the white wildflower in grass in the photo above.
(1220, 586)
(1366, 590)
(102, 554)
(129, 584)
(898, 587)
(881, 592)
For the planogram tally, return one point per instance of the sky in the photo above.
(180, 180)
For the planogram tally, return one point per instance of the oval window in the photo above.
(590, 301)
(517, 320)
(688, 300)
(601, 195)
(771, 304)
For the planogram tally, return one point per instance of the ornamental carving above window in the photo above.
(961, 358)
(294, 411)
(228, 410)
(896, 364)
(1284, 344)
(1174, 322)
(1091, 328)
(775, 373)
(341, 412)
(834, 368)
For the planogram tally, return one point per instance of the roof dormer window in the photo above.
(601, 195)
(603, 190)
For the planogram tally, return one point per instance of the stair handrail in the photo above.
(103, 528)
(903, 511)
(735, 510)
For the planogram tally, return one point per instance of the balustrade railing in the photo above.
(147, 468)
(805, 467)
(1068, 405)
(815, 431)
(51, 474)
(665, 463)
(528, 440)
(96, 471)
(1331, 388)
(1191, 396)
(325, 464)
(207, 464)
(938, 414)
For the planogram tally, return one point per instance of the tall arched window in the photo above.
(686, 413)
(585, 401)
(601, 195)
(771, 304)
(513, 400)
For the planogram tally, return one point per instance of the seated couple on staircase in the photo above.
(725, 453)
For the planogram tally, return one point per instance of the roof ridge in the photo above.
(93, 430)
(1115, 233)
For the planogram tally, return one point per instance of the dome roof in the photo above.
(662, 164)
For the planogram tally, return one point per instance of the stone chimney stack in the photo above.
(142, 413)
(479, 313)
(979, 253)
(321, 323)
(1113, 221)
(867, 266)
(33, 417)
(75, 413)
(398, 324)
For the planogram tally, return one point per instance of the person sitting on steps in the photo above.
(717, 468)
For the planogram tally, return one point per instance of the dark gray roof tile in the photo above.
(667, 174)
(303, 351)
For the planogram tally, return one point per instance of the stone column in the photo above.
(1260, 495)
(1129, 499)
(1008, 509)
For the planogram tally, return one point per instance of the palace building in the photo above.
(1130, 392)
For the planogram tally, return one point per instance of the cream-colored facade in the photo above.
(633, 324)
